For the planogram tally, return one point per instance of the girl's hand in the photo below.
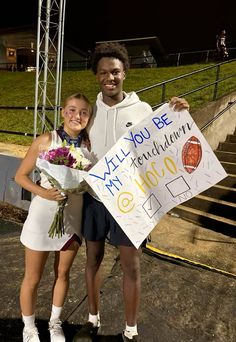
(53, 194)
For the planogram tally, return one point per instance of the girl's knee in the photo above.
(62, 274)
(32, 281)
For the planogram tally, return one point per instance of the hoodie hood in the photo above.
(108, 124)
(129, 99)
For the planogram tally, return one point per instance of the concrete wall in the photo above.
(10, 192)
(222, 126)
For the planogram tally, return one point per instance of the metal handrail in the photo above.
(207, 53)
(230, 104)
(28, 108)
(216, 82)
(181, 76)
(160, 84)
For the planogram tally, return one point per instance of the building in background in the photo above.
(18, 49)
(146, 52)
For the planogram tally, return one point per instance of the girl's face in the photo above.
(76, 115)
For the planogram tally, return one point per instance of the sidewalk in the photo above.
(181, 302)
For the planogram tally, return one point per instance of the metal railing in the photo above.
(230, 105)
(218, 79)
(185, 57)
(162, 88)
(48, 122)
(172, 59)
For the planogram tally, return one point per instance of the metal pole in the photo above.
(60, 44)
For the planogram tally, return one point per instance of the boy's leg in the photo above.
(130, 263)
(95, 253)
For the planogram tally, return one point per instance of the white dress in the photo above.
(41, 213)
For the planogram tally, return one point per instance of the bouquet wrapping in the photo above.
(65, 168)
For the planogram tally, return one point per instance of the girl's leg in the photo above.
(62, 265)
(34, 266)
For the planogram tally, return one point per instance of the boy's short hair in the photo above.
(110, 49)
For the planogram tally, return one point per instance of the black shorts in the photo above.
(98, 223)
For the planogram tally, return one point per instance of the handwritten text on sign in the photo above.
(158, 164)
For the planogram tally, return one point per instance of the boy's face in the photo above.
(110, 76)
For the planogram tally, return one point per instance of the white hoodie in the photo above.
(108, 124)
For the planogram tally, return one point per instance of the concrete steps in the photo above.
(227, 157)
(222, 192)
(215, 208)
(216, 223)
(227, 147)
(229, 181)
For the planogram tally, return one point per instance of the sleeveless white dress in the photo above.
(41, 213)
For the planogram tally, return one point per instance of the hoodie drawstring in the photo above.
(114, 125)
(105, 135)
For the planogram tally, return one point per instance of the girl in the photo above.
(76, 113)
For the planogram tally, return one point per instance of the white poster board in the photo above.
(158, 164)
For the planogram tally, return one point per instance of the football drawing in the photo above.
(191, 154)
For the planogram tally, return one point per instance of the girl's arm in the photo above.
(28, 164)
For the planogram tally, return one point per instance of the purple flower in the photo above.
(59, 156)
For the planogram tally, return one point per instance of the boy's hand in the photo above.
(178, 104)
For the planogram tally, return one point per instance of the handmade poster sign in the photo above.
(158, 164)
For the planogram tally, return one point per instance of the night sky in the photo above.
(178, 26)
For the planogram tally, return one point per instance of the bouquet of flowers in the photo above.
(65, 168)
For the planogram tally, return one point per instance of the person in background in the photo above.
(221, 48)
(115, 111)
(76, 113)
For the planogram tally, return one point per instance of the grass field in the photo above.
(18, 90)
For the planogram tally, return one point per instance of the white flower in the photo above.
(81, 163)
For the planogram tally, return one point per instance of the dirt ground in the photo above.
(11, 213)
(180, 301)
(13, 150)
